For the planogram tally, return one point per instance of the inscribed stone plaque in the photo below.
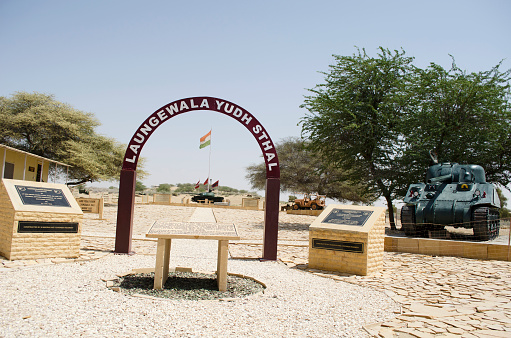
(193, 229)
(250, 202)
(42, 196)
(90, 205)
(348, 217)
(47, 227)
(161, 198)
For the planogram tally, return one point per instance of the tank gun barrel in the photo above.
(440, 178)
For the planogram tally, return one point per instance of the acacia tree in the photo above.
(302, 170)
(462, 117)
(39, 124)
(354, 119)
(163, 188)
(381, 116)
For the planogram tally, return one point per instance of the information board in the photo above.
(250, 202)
(161, 198)
(346, 246)
(348, 217)
(89, 205)
(48, 227)
(193, 229)
(42, 196)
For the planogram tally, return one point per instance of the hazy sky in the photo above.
(122, 60)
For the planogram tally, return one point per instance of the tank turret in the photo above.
(452, 194)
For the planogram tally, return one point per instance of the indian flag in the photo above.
(205, 140)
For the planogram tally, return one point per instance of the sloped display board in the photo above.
(348, 239)
(38, 220)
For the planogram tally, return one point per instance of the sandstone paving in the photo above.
(444, 294)
(439, 296)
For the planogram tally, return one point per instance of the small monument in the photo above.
(92, 206)
(38, 220)
(165, 231)
(348, 239)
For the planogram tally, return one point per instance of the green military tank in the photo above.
(456, 195)
(210, 196)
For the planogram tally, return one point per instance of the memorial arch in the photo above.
(126, 204)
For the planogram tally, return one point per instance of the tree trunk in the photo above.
(391, 212)
(85, 180)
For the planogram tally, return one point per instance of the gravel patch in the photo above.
(189, 285)
(72, 300)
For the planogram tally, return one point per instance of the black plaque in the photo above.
(328, 244)
(48, 227)
(348, 217)
(42, 196)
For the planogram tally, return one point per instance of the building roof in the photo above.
(33, 155)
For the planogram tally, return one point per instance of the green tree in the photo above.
(504, 212)
(139, 186)
(304, 171)
(39, 124)
(189, 188)
(353, 120)
(462, 117)
(163, 187)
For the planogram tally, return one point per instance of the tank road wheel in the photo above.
(486, 223)
(408, 222)
(295, 207)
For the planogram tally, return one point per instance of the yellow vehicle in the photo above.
(309, 201)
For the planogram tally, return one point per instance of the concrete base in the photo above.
(435, 247)
(304, 212)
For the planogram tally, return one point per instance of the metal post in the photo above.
(25, 167)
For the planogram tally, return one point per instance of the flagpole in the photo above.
(209, 164)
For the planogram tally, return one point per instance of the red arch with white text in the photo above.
(154, 121)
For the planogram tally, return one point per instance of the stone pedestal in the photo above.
(38, 220)
(348, 239)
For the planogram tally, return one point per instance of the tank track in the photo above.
(486, 223)
(408, 222)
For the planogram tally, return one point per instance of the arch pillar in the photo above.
(125, 211)
(271, 219)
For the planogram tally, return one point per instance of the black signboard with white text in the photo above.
(47, 227)
(42, 196)
(346, 246)
(348, 217)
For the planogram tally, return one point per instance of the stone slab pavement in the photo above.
(439, 296)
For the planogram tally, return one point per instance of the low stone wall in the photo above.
(213, 205)
(305, 212)
(435, 247)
